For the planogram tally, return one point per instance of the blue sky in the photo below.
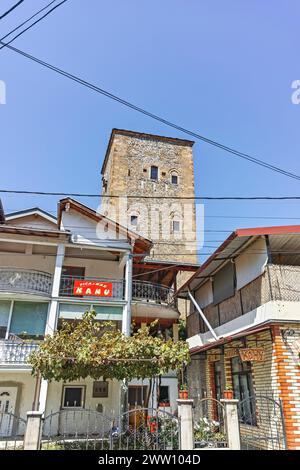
(223, 69)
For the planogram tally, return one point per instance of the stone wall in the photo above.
(127, 172)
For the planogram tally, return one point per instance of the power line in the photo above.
(11, 9)
(30, 26)
(114, 196)
(26, 21)
(151, 115)
(49, 211)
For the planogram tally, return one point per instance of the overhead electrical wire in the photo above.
(128, 104)
(28, 19)
(11, 9)
(114, 196)
(30, 26)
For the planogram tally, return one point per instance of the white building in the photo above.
(40, 258)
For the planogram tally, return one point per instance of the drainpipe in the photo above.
(126, 320)
(203, 316)
(126, 328)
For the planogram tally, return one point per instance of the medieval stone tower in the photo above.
(154, 172)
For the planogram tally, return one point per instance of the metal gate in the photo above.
(80, 429)
(139, 428)
(12, 430)
(261, 423)
(209, 424)
(146, 429)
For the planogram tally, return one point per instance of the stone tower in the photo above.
(155, 172)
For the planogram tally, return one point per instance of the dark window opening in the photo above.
(164, 397)
(69, 275)
(154, 173)
(243, 390)
(134, 220)
(137, 395)
(73, 397)
(174, 179)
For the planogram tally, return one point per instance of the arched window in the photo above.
(154, 173)
(174, 177)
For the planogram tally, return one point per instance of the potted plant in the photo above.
(228, 392)
(152, 422)
(183, 392)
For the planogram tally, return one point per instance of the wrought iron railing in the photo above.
(141, 290)
(14, 352)
(25, 281)
(155, 293)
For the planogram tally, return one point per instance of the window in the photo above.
(175, 226)
(174, 178)
(69, 274)
(134, 220)
(73, 397)
(154, 173)
(136, 395)
(217, 377)
(164, 395)
(243, 389)
(29, 318)
(4, 316)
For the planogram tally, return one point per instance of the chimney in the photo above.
(2, 215)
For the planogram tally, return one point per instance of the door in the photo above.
(8, 398)
(69, 274)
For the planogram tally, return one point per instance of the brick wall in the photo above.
(286, 357)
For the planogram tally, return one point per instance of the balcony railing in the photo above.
(141, 291)
(26, 281)
(14, 352)
(153, 293)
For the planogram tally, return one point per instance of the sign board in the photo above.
(92, 288)
(252, 354)
(100, 389)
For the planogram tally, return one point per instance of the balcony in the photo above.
(14, 352)
(278, 283)
(153, 293)
(141, 291)
(67, 287)
(25, 281)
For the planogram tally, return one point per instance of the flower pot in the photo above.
(183, 394)
(228, 394)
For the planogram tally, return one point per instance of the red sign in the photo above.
(93, 288)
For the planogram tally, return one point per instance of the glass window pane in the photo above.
(154, 173)
(164, 394)
(29, 318)
(73, 396)
(174, 179)
(4, 315)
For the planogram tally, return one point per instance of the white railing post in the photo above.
(186, 423)
(232, 423)
(33, 433)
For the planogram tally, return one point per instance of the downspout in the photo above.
(203, 316)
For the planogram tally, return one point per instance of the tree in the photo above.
(96, 349)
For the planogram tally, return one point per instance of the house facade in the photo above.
(43, 260)
(244, 333)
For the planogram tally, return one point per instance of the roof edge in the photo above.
(142, 135)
